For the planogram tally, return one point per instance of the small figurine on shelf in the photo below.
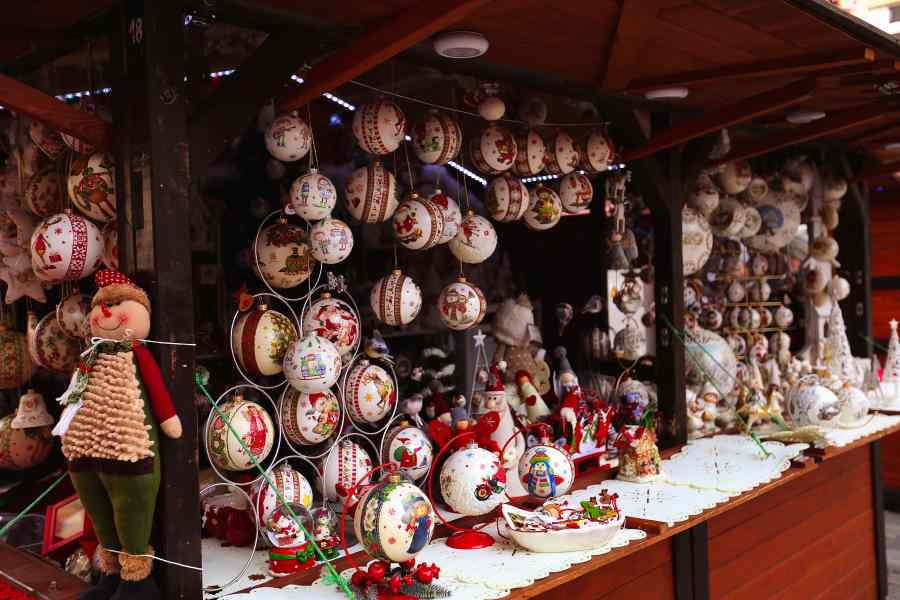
(290, 552)
(494, 400)
(639, 459)
(326, 532)
(535, 406)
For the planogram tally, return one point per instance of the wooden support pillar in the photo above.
(690, 563)
(881, 567)
(854, 237)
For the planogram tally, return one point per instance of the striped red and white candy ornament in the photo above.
(530, 154)
(507, 199)
(494, 150)
(66, 247)
(436, 138)
(379, 126)
(260, 338)
(396, 299)
(371, 193)
(562, 155)
(418, 223)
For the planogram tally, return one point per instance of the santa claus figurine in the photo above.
(290, 552)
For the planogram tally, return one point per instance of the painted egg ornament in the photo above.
(436, 138)
(41, 193)
(575, 192)
(461, 305)
(370, 393)
(22, 449)
(492, 108)
(253, 425)
(472, 481)
(312, 364)
(334, 320)
(346, 465)
(494, 151)
(66, 247)
(394, 520)
(46, 139)
(396, 299)
(110, 256)
(418, 223)
(544, 209)
(92, 186)
(476, 240)
(283, 255)
(260, 339)
(16, 366)
(309, 419)
(530, 154)
(507, 199)
(50, 347)
(332, 241)
(452, 215)
(562, 155)
(288, 138)
(597, 152)
(409, 449)
(290, 484)
(72, 315)
(379, 127)
(313, 196)
(546, 471)
(371, 194)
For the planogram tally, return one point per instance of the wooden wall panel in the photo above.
(890, 463)
(885, 224)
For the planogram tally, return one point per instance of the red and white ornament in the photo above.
(546, 471)
(394, 520)
(283, 255)
(409, 449)
(291, 485)
(418, 223)
(370, 393)
(41, 193)
(92, 186)
(492, 108)
(597, 153)
(562, 155)
(16, 366)
(110, 256)
(332, 241)
(575, 192)
(452, 215)
(436, 138)
(379, 126)
(507, 199)
(476, 240)
(530, 155)
(72, 315)
(313, 196)
(544, 209)
(371, 194)
(396, 299)
(49, 346)
(334, 320)
(47, 139)
(472, 481)
(312, 364)
(461, 305)
(288, 138)
(345, 466)
(22, 449)
(260, 339)
(66, 247)
(309, 419)
(254, 428)
(494, 151)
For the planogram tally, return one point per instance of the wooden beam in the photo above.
(382, 42)
(56, 114)
(804, 65)
(868, 136)
(880, 170)
(745, 110)
(636, 19)
(829, 126)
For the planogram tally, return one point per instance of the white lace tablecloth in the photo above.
(842, 437)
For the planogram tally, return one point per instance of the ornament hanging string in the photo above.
(31, 506)
(313, 154)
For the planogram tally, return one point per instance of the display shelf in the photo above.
(48, 580)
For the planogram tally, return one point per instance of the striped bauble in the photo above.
(260, 338)
(494, 150)
(418, 223)
(562, 155)
(530, 154)
(507, 199)
(371, 194)
(379, 126)
(396, 299)
(436, 138)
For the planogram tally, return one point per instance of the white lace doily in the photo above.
(843, 437)
(222, 562)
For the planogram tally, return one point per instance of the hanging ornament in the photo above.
(332, 241)
(288, 138)
(418, 223)
(492, 108)
(533, 110)
(757, 190)
(530, 155)
(494, 151)
(379, 126)
(780, 220)
(472, 481)
(92, 186)
(79, 146)
(23, 448)
(66, 247)
(546, 471)
(41, 193)
(394, 520)
(507, 199)
(630, 298)
(371, 194)
(452, 215)
(752, 222)
(598, 152)
(73, 316)
(461, 305)
(49, 346)
(562, 155)
(710, 357)
(334, 320)
(735, 176)
(254, 428)
(396, 299)
(110, 256)
(309, 419)
(32, 412)
(476, 240)
(313, 196)
(409, 449)
(630, 342)
(369, 392)
(544, 209)
(260, 338)
(47, 139)
(283, 255)
(22, 284)
(312, 364)
(288, 485)
(696, 241)
(575, 192)
(834, 190)
(346, 465)
(436, 138)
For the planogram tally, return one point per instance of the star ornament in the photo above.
(479, 338)
(19, 285)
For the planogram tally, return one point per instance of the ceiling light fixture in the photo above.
(673, 93)
(891, 146)
(801, 117)
(460, 44)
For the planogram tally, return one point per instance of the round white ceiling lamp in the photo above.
(460, 44)
(801, 117)
(892, 146)
(672, 93)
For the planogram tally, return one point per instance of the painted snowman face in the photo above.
(125, 320)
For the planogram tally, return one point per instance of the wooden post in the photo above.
(854, 237)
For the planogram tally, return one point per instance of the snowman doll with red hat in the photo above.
(115, 407)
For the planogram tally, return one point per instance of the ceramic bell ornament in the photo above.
(331, 241)
(379, 126)
(288, 138)
(371, 193)
(313, 196)
(476, 240)
(436, 138)
(418, 223)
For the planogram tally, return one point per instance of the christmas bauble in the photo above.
(253, 426)
(436, 138)
(312, 364)
(371, 194)
(452, 215)
(369, 392)
(346, 465)
(396, 299)
(507, 199)
(780, 220)
(260, 338)
(283, 255)
(332, 241)
(530, 154)
(696, 241)
(110, 257)
(41, 193)
(735, 176)
(461, 305)
(92, 186)
(46, 139)
(409, 449)
(309, 419)
(22, 449)
(291, 484)
(418, 223)
(334, 320)
(50, 347)
(66, 247)
(472, 481)
(15, 363)
(562, 154)
(476, 240)
(544, 209)
(492, 108)
(494, 151)
(313, 196)
(288, 138)
(597, 152)
(379, 126)
(854, 407)
(73, 316)
(710, 357)
(546, 471)
(394, 520)
(79, 146)
(575, 192)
